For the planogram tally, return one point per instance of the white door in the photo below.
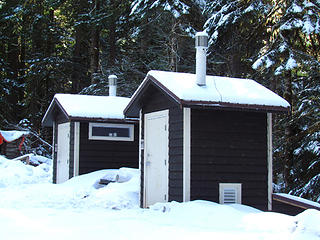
(156, 157)
(63, 152)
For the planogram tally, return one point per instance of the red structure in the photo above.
(11, 143)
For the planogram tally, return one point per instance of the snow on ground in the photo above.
(33, 208)
(15, 173)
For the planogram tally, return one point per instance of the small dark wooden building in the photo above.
(211, 142)
(89, 134)
(11, 143)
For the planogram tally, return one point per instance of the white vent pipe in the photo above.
(201, 57)
(112, 85)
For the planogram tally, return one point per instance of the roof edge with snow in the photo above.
(12, 135)
(132, 109)
(75, 107)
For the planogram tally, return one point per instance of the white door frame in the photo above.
(148, 117)
(63, 152)
(186, 154)
(76, 148)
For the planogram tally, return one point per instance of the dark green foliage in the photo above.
(291, 60)
(237, 31)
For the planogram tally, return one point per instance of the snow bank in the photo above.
(203, 215)
(307, 225)
(81, 192)
(122, 194)
(15, 173)
(82, 209)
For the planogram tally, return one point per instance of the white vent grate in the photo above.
(229, 196)
(230, 193)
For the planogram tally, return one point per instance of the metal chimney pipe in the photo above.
(201, 57)
(112, 85)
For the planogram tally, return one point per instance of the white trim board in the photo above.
(141, 148)
(76, 148)
(141, 141)
(186, 153)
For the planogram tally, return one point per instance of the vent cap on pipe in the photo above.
(201, 44)
(112, 85)
(202, 39)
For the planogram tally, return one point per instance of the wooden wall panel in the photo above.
(153, 101)
(99, 154)
(229, 147)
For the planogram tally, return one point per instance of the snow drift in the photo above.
(33, 208)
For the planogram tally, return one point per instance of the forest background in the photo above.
(71, 46)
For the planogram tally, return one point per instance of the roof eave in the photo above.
(226, 105)
(93, 119)
(131, 108)
(47, 119)
(129, 111)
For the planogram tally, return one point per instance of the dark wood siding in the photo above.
(11, 149)
(99, 154)
(175, 154)
(71, 151)
(229, 147)
(284, 208)
(153, 101)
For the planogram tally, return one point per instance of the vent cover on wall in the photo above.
(230, 193)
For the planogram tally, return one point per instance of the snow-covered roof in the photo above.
(10, 136)
(218, 92)
(294, 200)
(75, 106)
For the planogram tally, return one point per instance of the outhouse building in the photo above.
(209, 141)
(90, 133)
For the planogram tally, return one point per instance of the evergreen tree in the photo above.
(138, 37)
(236, 30)
(291, 60)
(74, 16)
(45, 62)
(50, 46)
(11, 83)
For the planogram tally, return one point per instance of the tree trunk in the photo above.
(77, 70)
(112, 37)
(173, 49)
(37, 30)
(289, 133)
(13, 64)
(50, 44)
(94, 44)
(80, 55)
